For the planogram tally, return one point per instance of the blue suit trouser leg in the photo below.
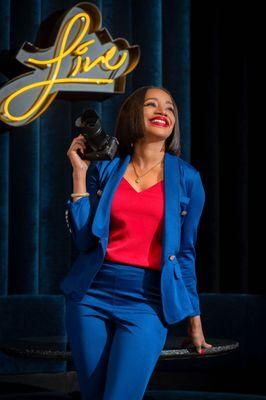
(116, 334)
(133, 355)
(90, 340)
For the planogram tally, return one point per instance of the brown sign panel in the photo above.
(84, 58)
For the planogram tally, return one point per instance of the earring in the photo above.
(131, 144)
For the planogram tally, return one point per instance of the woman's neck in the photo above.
(144, 160)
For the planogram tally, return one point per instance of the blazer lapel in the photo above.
(171, 227)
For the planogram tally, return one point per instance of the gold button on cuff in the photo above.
(183, 212)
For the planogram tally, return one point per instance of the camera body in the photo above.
(99, 145)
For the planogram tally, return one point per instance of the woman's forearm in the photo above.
(194, 322)
(79, 183)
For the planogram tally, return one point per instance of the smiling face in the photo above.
(158, 113)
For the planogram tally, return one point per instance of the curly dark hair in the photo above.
(130, 123)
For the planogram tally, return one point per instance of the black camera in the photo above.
(99, 145)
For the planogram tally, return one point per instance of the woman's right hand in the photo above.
(78, 164)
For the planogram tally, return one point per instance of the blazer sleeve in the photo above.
(187, 254)
(78, 213)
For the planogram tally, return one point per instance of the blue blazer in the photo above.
(88, 219)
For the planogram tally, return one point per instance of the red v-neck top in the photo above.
(136, 226)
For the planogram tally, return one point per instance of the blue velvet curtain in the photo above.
(220, 81)
(35, 174)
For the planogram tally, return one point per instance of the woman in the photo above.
(117, 328)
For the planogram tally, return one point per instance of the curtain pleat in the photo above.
(24, 230)
(4, 154)
(176, 63)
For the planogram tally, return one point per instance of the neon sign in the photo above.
(82, 59)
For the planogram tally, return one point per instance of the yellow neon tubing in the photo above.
(83, 47)
(87, 67)
(74, 44)
(50, 82)
(44, 83)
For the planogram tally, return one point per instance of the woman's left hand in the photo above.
(196, 338)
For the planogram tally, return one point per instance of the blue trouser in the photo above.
(117, 332)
